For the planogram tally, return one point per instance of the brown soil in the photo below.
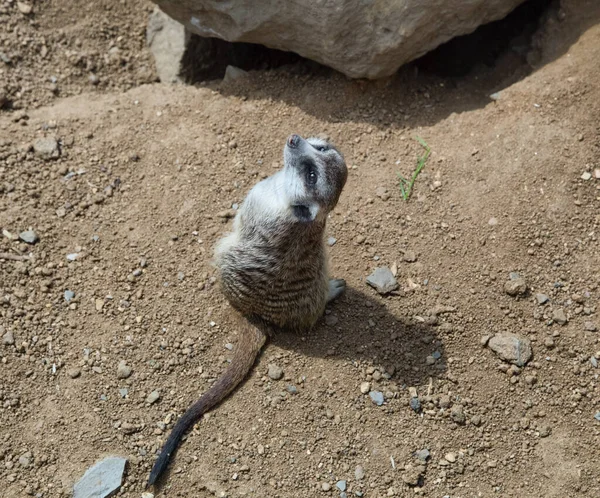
(145, 173)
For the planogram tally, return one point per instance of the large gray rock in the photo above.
(360, 39)
(167, 41)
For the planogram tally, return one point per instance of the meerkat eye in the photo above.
(321, 148)
(311, 176)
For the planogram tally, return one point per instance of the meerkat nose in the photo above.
(293, 141)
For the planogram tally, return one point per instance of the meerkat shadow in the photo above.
(370, 330)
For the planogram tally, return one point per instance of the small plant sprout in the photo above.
(406, 185)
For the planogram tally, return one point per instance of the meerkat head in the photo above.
(315, 174)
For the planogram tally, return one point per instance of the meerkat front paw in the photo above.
(336, 287)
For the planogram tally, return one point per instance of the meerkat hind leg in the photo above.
(336, 287)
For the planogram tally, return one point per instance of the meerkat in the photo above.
(273, 266)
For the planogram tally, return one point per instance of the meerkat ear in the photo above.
(305, 213)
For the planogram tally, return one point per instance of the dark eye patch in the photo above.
(310, 172)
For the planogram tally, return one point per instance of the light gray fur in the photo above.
(273, 265)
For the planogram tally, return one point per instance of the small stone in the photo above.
(545, 431)
(423, 455)
(123, 370)
(511, 347)
(341, 485)
(227, 214)
(275, 372)
(383, 281)
(450, 457)
(382, 193)
(99, 303)
(586, 176)
(233, 73)
(93, 79)
(597, 173)
(413, 475)
(458, 415)
(542, 298)
(147, 495)
(25, 459)
(436, 355)
(493, 222)
(73, 373)
(590, 326)
(359, 473)
(123, 392)
(515, 287)
(549, 342)
(594, 361)
(69, 295)
(46, 148)
(292, 389)
(530, 379)
(102, 479)
(415, 404)
(29, 236)
(365, 387)
(559, 316)
(8, 339)
(72, 256)
(410, 256)
(331, 320)
(331, 241)
(24, 8)
(153, 397)
(476, 420)
(326, 486)
(376, 397)
(484, 340)
(597, 416)
(261, 449)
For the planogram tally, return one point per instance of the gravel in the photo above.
(275, 372)
(458, 415)
(8, 339)
(46, 148)
(511, 347)
(515, 286)
(29, 236)
(359, 473)
(559, 316)
(123, 370)
(383, 281)
(377, 397)
(423, 455)
(415, 404)
(153, 397)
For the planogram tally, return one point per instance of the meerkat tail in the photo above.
(252, 339)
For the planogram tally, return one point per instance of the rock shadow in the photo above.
(458, 76)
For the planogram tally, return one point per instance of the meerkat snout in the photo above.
(293, 141)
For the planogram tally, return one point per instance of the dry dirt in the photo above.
(146, 173)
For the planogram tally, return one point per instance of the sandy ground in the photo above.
(142, 177)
